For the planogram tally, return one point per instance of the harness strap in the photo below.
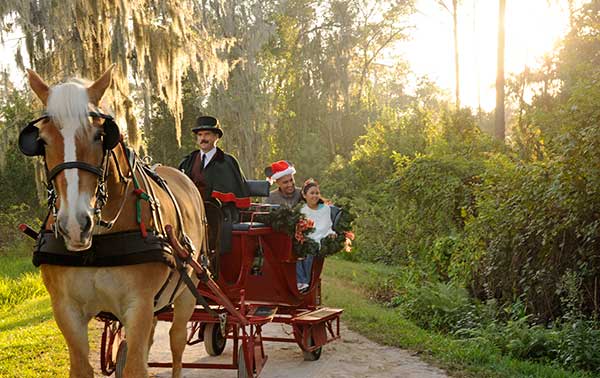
(74, 164)
(177, 210)
(141, 195)
(155, 203)
(190, 284)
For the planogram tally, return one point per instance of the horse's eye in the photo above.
(98, 136)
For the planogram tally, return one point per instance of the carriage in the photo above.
(120, 244)
(256, 286)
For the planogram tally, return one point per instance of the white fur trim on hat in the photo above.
(289, 171)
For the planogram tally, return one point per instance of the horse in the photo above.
(97, 191)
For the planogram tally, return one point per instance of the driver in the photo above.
(216, 174)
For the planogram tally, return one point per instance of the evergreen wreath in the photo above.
(295, 224)
(343, 236)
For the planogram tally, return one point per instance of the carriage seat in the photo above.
(336, 215)
(245, 226)
(258, 188)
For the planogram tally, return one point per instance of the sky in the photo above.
(532, 29)
(8, 47)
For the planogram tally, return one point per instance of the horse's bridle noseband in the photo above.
(98, 171)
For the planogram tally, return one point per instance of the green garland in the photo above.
(295, 224)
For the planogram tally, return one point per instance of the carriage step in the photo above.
(319, 315)
(262, 312)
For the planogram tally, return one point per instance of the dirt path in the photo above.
(353, 356)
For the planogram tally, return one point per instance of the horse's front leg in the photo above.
(138, 322)
(74, 326)
(182, 311)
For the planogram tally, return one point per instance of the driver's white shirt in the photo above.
(209, 156)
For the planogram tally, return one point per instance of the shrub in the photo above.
(440, 306)
(12, 241)
(579, 345)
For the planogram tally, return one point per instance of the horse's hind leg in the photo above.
(182, 311)
(74, 327)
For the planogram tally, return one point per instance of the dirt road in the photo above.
(351, 357)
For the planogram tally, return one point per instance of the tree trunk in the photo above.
(456, 62)
(499, 124)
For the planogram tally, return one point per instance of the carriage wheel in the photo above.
(214, 341)
(315, 354)
(120, 360)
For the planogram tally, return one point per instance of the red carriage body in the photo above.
(258, 277)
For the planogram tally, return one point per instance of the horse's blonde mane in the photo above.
(68, 104)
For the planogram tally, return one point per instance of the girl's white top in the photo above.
(322, 219)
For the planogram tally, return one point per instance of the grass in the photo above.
(348, 285)
(31, 344)
(12, 266)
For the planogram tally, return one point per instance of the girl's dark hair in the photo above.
(309, 184)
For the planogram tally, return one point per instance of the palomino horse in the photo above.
(96, 190)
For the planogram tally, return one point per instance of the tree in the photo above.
(454, 14)
(153, 45)
(500, 122)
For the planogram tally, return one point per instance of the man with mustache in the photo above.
(217, 175)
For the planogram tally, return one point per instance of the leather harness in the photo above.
(122, 248)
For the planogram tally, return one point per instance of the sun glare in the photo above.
(533, 27)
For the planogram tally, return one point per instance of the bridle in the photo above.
(30, 144)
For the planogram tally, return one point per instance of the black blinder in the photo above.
(112, 134)
(30, 143)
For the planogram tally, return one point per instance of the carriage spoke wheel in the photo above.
(214, 341)
(315, 354)
(120, 360)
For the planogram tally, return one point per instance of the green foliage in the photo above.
(536, 224)
(11, 238)
(474, 354)
(579, 345)
(17, 175)
(439, 306)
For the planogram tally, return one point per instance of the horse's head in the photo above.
(74, 138)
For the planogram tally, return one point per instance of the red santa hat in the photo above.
(279, 169)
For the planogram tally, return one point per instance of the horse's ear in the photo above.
(39, 87)
(96, 90)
